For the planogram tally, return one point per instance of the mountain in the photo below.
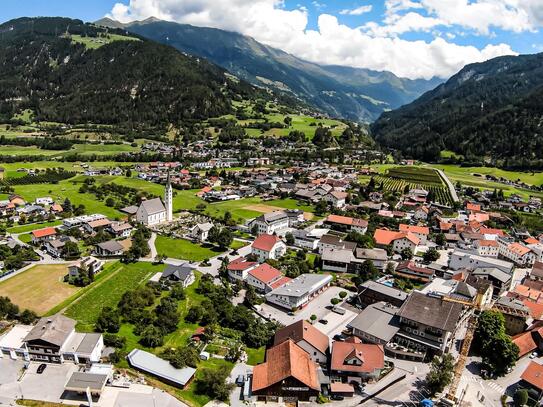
(351, 93)
(491, 110)
(71, 72)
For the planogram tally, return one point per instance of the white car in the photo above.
(534, 355)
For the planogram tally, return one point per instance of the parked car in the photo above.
(323, 321)
(41, 368)
(339, 310)
(534, 355)
(336, 397)
(339, 337)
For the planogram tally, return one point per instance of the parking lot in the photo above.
(316, 307)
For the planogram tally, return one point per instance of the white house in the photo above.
(421, 232)
(486, 248)
(200, 231)
(300, 291)
(270, 223)
(238, 269)
(268, 247)
(518, 253)
(307, 337)
(336, 198)
(265, 278)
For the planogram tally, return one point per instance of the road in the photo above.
(449, 185)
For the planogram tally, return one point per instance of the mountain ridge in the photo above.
(352, 93)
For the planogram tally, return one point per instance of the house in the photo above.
(427, 325)
(329, 241)
(516, 252)
(307, 337)
(96, 225)
(421, 232)
(371, 292)
(305, 239)
(410, 270)
(378, 257)
(182, 274)
(459, 260)
(268, 247)
(346, 224)
(532, 380)
(500, 280)
(111, 248)
(200, 232)
(151, 212)
(54, 340)
(120, 229)
(287, 373)
(421, 213)
(239, 268)
(270, 223)
(86, 265)
(55, 247)
(336, 198)
(300, 291)
(40, 236)
(399, 240)
(486, 248)
(353, 358)
(378, 323)
(149, 363)
(537, 271)
(516, 314)
(336, 260)
(265, 278)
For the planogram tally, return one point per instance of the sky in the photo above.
(411, 38)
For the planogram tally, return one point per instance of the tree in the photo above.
(213, 235)
(520, 398)
(440, 374)
(178, 292)
(67, 205)
(390, 268)
(128, 173)
(152, 337)
(313, 318)
(321, 207)
(407, 254)
(108, 321)
(70, 250)
(212, 382)
(27, 317)
(334, 301)
(201, 207)
(494, 345)
(182, 357)
(225, 238)
(363, 241)
(289, 238)
(440, 239)
(431, 255)
(342, 294)
(110, 201)
(368, 271)
(251, 298)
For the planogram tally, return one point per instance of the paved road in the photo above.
(449, 185)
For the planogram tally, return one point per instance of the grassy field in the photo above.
(255, 356)
(32, 226)
(108, 291)
(183, 249)
(39, 288)
(97, 42)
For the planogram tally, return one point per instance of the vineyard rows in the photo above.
(441, 193)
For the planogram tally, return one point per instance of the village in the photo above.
(360, 288)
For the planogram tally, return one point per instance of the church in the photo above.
(153, 211)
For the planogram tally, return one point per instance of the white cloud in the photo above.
(357, 11)
(270, 22)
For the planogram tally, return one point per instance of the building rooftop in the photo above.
(55, 330)
(383, 289)
(368, 357)
(303, 330)
(431, 311)
(153, 206)
(378, 320)
(14, 338)
(81, 381)
(159, 367)
(302, 285)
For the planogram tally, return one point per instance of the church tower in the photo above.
(168, 199)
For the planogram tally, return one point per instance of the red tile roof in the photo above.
(303, 330)
(283, 361)
(265, 242)
(371, 357)
(44, 232)
(473, 207)
(423, 230)
(346, 220)
(265, 273)
(279, 283)
(240, 264)
(386, 237)
(534, 375)
(525, 343)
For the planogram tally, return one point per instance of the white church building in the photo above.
(153, 211)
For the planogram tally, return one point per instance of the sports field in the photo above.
(39, 288)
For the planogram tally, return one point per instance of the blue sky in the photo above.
(412, 38)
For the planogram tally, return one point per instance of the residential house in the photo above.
(270, 223)
(378, 257)
(305, 239)
(268, 247)
(120, 229)
(238, 269)
(329, 241)
(87, 265)
(399, 240)
(410, 270)
(336, 198)
(96, 225)
(346, 224)
(287, 374)
(307, 337)
(111, 248)
(516, 252)
(371, 292)
(500, 280)
(182, 274)
(265, 278)
(378, 323)
(460, 260)
(421, 232)
(532, 379)
(355, 359)
(40, 236)
(516, 314)
(55, 247)
(486, 248)
(200, 232)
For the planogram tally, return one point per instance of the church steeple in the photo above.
(168, 199)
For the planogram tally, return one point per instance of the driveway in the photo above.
(213, 269)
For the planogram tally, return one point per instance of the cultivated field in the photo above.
(39, 288)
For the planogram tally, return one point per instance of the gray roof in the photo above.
(371, 254)
(80, 381)
(338, 255)
(110, 246)
(159, 367)
(378, 320)
(383, 289)
(493, 272)
(465, 290)
(302, 284)
(130, 210)
(180, 272)
(153, 206)
(272, 217)
(54, 330)
(88, 343)
(431, 311)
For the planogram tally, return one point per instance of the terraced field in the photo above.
(396, 179)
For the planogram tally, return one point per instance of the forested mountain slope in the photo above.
(491, 110)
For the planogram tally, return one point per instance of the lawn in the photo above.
(39, 288)
(25, 238)
(255, 356)
(32, 226)
(108, 291)
(67, 189)
(184, 250)
(290, 203)
(238, 244)
(97, 42)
